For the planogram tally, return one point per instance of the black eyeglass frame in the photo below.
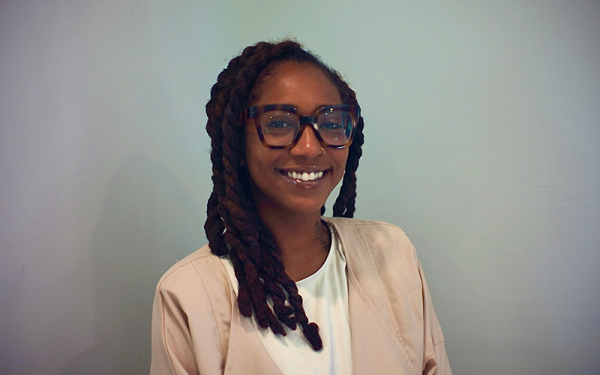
(254, 112)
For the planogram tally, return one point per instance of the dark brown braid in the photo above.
(233, 226)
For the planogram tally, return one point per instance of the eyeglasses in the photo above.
(280, 126)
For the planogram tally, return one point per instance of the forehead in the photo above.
(303, 85)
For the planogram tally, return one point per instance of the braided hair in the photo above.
(233, 226)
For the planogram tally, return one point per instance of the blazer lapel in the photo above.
(377, 346)
(244, 339)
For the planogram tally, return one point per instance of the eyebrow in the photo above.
(319, 106)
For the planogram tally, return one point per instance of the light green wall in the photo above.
(482, 133)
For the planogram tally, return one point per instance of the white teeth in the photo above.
(305, 176)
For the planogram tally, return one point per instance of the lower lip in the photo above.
(305, 184)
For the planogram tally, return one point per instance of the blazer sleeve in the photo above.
(191, 317)
(172, 348)
(435, 360)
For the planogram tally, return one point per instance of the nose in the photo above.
(308, 145)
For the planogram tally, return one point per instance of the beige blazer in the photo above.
(197, 328)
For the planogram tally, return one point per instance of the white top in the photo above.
(325, 301)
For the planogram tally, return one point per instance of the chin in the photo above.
(306, 208)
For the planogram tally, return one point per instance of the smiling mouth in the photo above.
(304, 176)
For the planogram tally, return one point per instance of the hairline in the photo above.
(255, 92)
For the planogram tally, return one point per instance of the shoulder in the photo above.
(198, 273)
(196, 290)
(373, 234)
(345, 223)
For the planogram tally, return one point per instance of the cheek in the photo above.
(340, 158)
(259, 162)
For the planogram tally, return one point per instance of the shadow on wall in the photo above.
(147, 222)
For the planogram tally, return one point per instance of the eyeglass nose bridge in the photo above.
(305, 121)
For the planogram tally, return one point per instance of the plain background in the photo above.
(482, 143)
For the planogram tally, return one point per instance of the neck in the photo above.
(303, 241)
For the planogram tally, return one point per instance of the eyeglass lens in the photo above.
(280, 128)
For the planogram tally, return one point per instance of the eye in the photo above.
(279, 124)
(335, 121)
(278, 128)
(332, 127)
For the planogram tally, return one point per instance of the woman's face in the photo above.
(307, 88)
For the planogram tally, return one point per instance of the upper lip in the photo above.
(308, 168)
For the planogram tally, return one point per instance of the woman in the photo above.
(285, 130)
